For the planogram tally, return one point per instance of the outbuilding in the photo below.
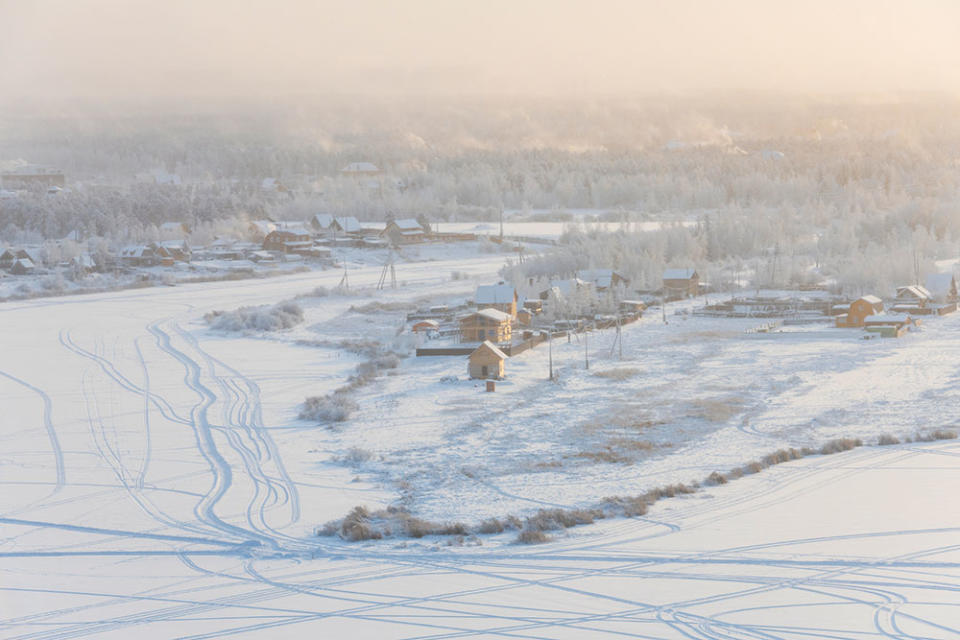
(486, 362)
(859, 309)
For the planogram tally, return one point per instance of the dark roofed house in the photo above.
(7, 258)
(288, 240)
(23, 267)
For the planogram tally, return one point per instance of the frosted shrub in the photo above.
(262, 318)
(336, 407)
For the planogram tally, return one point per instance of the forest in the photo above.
(773, 189)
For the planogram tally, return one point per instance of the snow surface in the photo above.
(156, 480)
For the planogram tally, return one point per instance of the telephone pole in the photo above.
(550, 351)
(586, 349)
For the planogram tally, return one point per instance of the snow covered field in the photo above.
(156, 480)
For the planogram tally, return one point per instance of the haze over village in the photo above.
(436, 319)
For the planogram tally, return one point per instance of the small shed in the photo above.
(486, 362)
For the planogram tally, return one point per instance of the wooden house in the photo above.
(486, 324)
(911, 298)
(405, 231)
(140, 255)
(288, 240)
(680, 283)
(347, 226)
(860, 309)
(525, 317)
(321, 222)
(23, 267)
(486, 362)
(502, 297)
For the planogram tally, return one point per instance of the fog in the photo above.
(103, 51)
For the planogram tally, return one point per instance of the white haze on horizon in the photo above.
(128, 50)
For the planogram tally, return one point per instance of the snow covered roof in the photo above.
(871, 299)
(429, 323)
(913, 291)
(492, 314)
(348, 224)
(408, 224)
(322, 220)
(679, 274)
(495, 294)
(489, 346)
(601, 278)
(136, 251)
(360, 167)
(892, 318)
(565, 287)
(25, 263)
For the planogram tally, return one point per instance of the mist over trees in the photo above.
(786, 188)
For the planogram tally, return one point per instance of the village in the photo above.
(503, 320)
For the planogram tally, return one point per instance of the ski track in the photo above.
(238, 572)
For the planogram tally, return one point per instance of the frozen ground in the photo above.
(155, 479)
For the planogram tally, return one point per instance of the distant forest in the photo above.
(865, 191)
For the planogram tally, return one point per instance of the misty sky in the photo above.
(146, 48)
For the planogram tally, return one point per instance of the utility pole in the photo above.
(501, 224)
(586, 350)
(344, 282)
(550, 350)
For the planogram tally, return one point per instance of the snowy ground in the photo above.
(156, 480)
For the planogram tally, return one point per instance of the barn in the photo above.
(486, 362)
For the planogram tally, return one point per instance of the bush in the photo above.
(531, 537)
(336, 407)
(263, 318)
(939, 434)
(887, 439)
(840, 444)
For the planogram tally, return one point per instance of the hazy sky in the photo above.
(143, 48)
